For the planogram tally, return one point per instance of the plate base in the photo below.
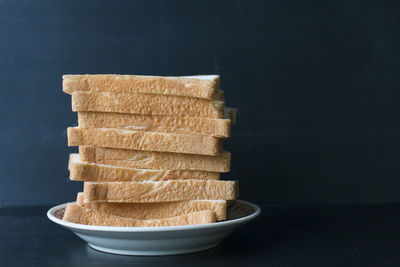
(152, 253)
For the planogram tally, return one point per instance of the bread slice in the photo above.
(203, 86)
(83, 171)
(155, 160)
(163, 191)
(77, 214)
(146, 211)
(141, 140)
(155, 123)
(176, 106)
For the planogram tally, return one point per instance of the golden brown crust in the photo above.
(181, 86)
(175, 106)
(83, 171)
(163, 191)
(148, 141)
(77, 214)
(155, 160)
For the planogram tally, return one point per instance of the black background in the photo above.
(316, 84)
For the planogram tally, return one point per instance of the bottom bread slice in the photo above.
(161, 191)
(146, 211)
(77, 214)
(83, 171)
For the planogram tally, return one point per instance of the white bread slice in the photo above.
(77, 214)
(146, 211)
(155, 160)
(149, 104)
(203, 86)
(141, 140)
(83, 171)
(155, 123)
(162, 191)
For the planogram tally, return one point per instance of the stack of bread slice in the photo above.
(150, 150)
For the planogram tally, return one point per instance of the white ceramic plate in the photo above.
(166, 240)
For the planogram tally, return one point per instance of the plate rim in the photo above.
(238, 221)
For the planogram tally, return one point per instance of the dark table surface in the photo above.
(284, 235)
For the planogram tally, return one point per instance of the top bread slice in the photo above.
(149, 104)
(78, 214)
(202, 86)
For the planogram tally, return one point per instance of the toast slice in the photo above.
(162, 191)
(141, 140)
(155, 160)
(83, 171)
(146, 211)
(155, 123)
(77, 214)
(148, 104)
(202, 86)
